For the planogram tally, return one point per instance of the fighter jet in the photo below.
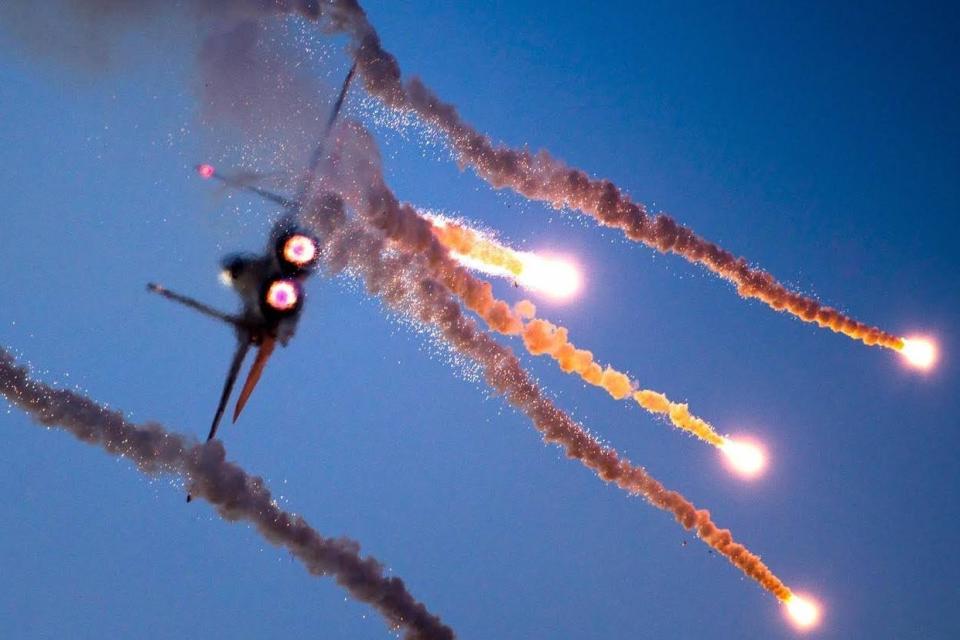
(270, 285)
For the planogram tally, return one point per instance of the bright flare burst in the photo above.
(804, 613)
(745, 457)
(919, 352)
(206, 171)
(553, 276)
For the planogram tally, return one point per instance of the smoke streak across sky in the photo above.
(235, 494)
(794, 432)
(406, 283)
(542, 177)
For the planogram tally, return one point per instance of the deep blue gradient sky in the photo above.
(820, 142)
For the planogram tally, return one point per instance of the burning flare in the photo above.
(206, 171)
(413, 283)
(409, 228)
(554, 276)
(745, 457)
(919, 352)
(803, 612)
(541, 177)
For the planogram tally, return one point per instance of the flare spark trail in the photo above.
(405, 225)
(234, 493)
(540, 176)
(403, 260)
(556, 277)
(408, 283)
(443, 240)
(446, 241)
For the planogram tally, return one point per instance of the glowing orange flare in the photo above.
(745, 457)
(283, 295)
(471, 249)
(803, 612)
(206, 171)
(299, 250)
(556, 277)
(919, 352)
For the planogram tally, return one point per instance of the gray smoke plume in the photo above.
(410, 283)
(542, 177)
(400, 260)
(234, 493)
(538, 176)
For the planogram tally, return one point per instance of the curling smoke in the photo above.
(540, 337)
(542, 177)
(406, 226)
(405, 278)
(407, 282)
(235, 494)
(252, 77)
(537, 176)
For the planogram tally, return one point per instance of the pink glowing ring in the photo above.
(297, 253)
(299, 250)
(282, 296)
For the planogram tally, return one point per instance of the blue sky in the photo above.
(820, 142)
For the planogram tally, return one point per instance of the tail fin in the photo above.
(322, 146)
(340, 97)
(253, 377)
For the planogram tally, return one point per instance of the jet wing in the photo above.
(208, 172)
(244, 338)
(196, 305)
(256, 370)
